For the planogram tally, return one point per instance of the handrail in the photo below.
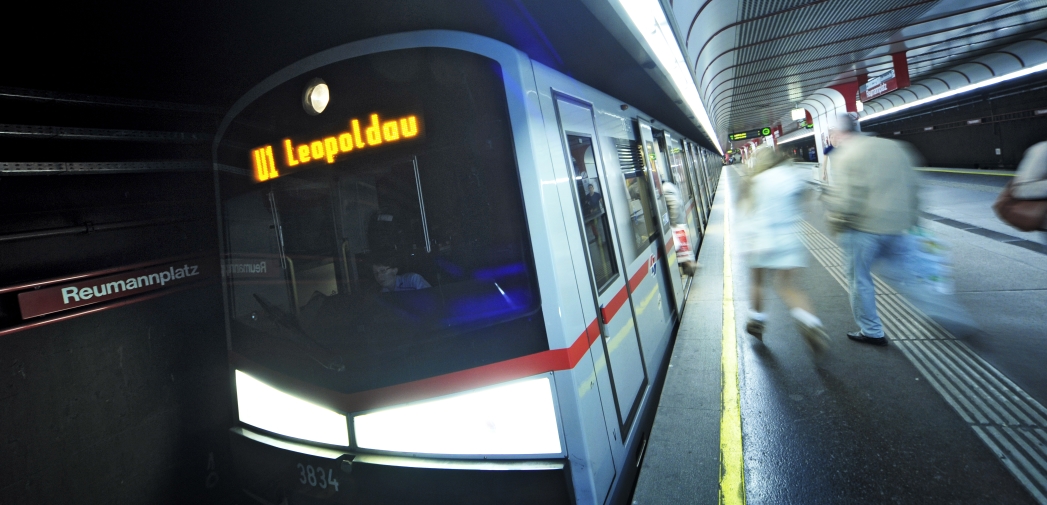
(90, 227)
(99, 273)
(294, 283)
(91, 309)
(350, 275)
(421, 204)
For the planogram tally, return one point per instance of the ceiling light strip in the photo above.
(649, 20)
(785, 140)
(970, 87)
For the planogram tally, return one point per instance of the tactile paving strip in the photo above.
(1010, 422)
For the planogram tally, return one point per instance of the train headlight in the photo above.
(515, 418)
(317, 96)
(273, 410)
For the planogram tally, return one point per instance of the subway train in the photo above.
(450, 275)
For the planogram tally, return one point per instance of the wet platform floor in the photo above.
(942, 415)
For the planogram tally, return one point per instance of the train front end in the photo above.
(385, 328)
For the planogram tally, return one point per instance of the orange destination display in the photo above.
(328, 149)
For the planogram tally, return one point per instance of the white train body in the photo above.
(557, 411)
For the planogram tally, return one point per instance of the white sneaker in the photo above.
(815, 336)
(755, 328)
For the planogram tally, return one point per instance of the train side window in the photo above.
(678, 173)
(656, 166)
(641, 213)
(595, 225)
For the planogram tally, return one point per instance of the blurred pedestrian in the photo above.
(770, 203)
(872, 203)
(595, 199)
(1023, 203)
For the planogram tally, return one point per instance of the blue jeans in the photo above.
(861, 250)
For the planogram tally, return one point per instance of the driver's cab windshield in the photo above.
(403, 262)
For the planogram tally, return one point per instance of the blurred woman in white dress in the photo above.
(770, 205)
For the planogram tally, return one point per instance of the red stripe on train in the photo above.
(638, 277)
(517, 368)
(607, 312)
(593, 331)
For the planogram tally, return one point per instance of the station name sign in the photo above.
(328, 149)
(751, 134)
(77, 294)
(879, 85)
(250, 268)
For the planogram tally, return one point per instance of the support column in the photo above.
(901, 70)
(849, 90)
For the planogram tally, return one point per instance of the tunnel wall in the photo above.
(1006, 118)
(126, 405)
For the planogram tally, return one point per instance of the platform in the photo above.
(938, 416)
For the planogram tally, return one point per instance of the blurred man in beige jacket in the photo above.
(871, 203)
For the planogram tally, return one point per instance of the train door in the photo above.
(688, 205)
(692, 184)
(655, 161)
(709, 188)
(649, 289)
(694, 170)
(623, 355)
(703, 185)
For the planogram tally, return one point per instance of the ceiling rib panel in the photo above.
(755, 59)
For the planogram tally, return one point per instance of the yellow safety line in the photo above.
(732, 462)
(962, 171)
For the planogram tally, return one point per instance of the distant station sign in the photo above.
(751, 134)
(879, 85)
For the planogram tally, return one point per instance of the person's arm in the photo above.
(416, 281)
(842, 196)
(1030, 182)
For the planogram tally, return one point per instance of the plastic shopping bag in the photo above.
(682, 243)
(931, 261)
(931, 288)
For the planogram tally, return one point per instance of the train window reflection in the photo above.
(641, 213)
(676, 166)
(595, 225)
(656, 166)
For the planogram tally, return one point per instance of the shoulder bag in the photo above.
(1025, 215)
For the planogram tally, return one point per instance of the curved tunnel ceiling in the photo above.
(754, 60)
(209, 53)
